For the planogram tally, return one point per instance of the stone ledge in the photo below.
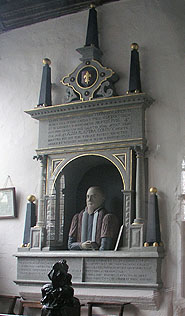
(144, 300)
(90, 285)
(128, 100)
(154, 252)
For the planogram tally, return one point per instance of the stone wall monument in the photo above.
(95, 138)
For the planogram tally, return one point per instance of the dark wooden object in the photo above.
(28, 304)
(12, 301)
(110, 304)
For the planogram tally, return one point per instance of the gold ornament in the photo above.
(87, 77)
(146, 244)
(155, 244)
(92, 5)
(46, 61)
(153, 190)
(134, 46)
(31, 198)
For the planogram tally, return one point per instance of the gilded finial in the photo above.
(153, 190)
(155, 244)
(134, 46)
(46, 61)
(31, 198)
(146, 244)
(92, 5)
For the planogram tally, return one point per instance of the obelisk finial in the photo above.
(91, 48)
(92, 28)
(153, 234)
(134, 80)
(45, 89)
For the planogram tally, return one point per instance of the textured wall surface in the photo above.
(158, 27)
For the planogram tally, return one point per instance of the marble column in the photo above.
(42, 190)
(139, 187)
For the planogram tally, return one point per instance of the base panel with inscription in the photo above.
(110, 272)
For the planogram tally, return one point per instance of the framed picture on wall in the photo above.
(7, 203)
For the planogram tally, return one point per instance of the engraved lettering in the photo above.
(92, 128)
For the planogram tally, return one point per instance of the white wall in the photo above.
(158, 27)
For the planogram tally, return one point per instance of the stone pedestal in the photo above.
(136, 236)
(114, 274)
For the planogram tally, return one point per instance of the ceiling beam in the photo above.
(18, 13)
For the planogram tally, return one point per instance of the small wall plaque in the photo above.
(7, 203)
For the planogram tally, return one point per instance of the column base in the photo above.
(138, 221)
(136, 236)
(37, 238)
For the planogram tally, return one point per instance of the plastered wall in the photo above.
(158, 27)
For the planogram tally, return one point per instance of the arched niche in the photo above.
(76, 177)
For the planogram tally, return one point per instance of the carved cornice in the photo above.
(130, 101)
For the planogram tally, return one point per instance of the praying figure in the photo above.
(58, 296)
(93, 228)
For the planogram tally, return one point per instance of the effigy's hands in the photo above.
(86, 245)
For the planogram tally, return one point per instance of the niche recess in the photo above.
(74, 180)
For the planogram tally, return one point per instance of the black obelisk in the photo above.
(92, 28)
(91, 48)
(153, 234)
(30, 220)
(45, 89)
(134, 80)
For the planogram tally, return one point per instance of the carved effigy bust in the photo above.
(57, 297)
(93, 228)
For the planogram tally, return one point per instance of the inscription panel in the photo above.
(96, 127)
(115, 270)
(131, 271)
(38, 268)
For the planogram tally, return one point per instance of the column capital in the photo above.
(41, 158)
(140, 151)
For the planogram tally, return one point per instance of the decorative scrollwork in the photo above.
(106, 90)
(70, 95)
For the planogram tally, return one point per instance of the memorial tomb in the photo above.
(95, 138)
